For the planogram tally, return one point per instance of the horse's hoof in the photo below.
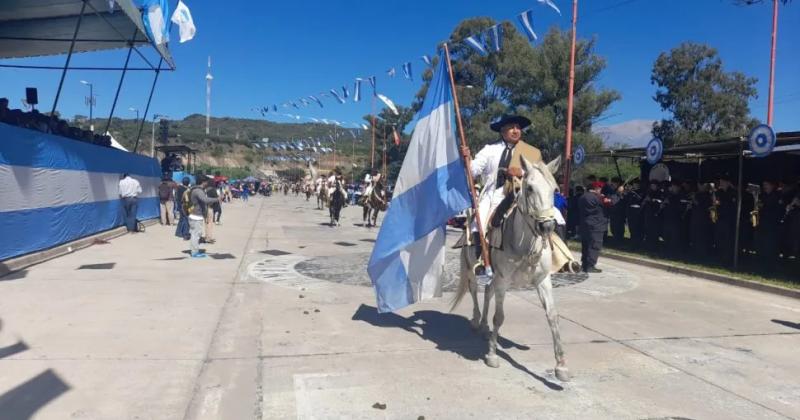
(493, 361)
(562, 373)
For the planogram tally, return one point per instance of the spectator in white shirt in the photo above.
(129, 190)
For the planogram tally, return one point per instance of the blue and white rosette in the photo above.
(761, 140)
(655, 148)
(579, 156)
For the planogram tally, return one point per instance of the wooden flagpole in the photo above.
(467, 164)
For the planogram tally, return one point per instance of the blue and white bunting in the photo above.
(551, 4)
(526, 21)
(427, 60)
(477, 45)
(315, 99)
(374, 82)
(407, 71)
(275, 108)
(391, 72)
(345, 92)
(336, 95)
(496, 35)
(408, 260)
(357, 90)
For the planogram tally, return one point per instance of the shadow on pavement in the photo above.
(787, 323)
(15, 275)
(23, 401)
(449, 332)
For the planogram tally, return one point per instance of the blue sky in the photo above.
(267, 52)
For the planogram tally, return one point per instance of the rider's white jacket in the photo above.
(486, 166)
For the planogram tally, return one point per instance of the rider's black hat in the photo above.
(509, 119)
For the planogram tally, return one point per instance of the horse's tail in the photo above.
(461, 290)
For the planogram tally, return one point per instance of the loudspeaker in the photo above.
(32, 96)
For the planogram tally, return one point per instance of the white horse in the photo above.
(525, 257)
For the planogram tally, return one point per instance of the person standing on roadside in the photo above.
(129, 190)
(166, 199)
(197, 210)
(593, 226)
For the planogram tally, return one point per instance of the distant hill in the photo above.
(232, 141)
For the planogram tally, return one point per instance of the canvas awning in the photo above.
(718, 148)
(30, 28)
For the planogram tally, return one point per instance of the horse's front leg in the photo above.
(487, 299)
(499, 316)
(545, 289)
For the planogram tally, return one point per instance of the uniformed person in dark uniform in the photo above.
(617, 211)
(673, 209)
(770, 214)
(701, 227)
(651, 207)
(593, 227)
(726, 219)
(633, 212)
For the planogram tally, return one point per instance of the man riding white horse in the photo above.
(524, 248)
(497, 163)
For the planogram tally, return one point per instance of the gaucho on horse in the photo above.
(517, 207)
(374, 199)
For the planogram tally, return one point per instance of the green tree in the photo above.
(529, 80)
(705, 101)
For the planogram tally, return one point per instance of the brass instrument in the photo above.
(754, 214)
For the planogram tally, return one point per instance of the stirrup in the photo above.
(483, 274)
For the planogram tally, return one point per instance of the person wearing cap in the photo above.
(499, 161)
(594, 225)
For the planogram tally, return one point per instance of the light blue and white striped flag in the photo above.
(526, 21)
(427, 60)
(477, 45)
(496, 35)
(407, 262)
(357, 90)
(407, 71)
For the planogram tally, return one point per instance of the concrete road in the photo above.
(280, 323)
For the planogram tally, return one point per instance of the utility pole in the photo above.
(209, 78)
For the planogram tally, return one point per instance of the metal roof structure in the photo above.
(31, 28)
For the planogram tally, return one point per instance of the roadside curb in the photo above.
(734, 281)
(15, 264)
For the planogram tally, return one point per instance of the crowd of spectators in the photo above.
(35, 120)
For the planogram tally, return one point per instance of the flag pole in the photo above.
(372, 148)
(568, 142)
(467, 164)
(772, 62)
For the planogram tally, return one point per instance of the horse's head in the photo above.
(535, 198)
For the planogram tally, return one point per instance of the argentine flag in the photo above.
(407, 262)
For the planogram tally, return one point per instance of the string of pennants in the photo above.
(484, 43)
